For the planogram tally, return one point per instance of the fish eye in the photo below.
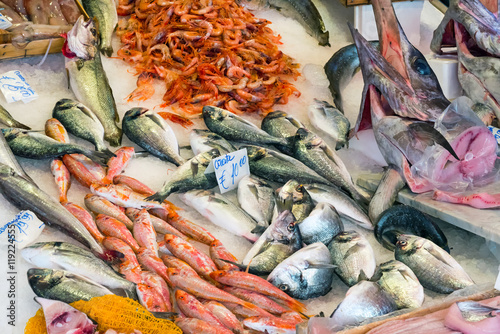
(402, 243)
(284, 287)
(421, 66)
(290, 227)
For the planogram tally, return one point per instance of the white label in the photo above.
(15, 88)
(496, 132)
(23, 229)
(497, 284)
(230, 169)
(4, 22)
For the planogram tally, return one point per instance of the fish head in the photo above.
(135, 113)
(409, 244)
(405, 83)
(288, 278)
(44, 279)
(81, 40)
(215, 113)
(306, 140)
(12, 133)
(285, 229)
(66, 104)
(255, 153)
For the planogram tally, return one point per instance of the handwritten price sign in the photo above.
(23, 229)
(230, 169)
(4, 21)
(15, 88)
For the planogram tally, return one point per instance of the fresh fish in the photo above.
(157, 283)
(150, 298)
(87, 78)
(144, 232)
(118, 163)
(386, 193)
(190, 175)
(235, 128)
(270, 325)
(86, 219)
(121, 246)
(220, 255)
(340, 69)
(404, 219)
(205, 140)
(159, 225)
(280, 124)
(111, 227)
(39, 146)
(256, 197)
(222, 212)
(435, 269)
(321, 225)
(80, 170)
(123, 196)
(7, 157)
(362, 301)
(149, 261)
(133, 184)
(186, 252)
(100, 205)
(152, 133)
(64, 286)
(62, 177)
(399, 281)
(303, 11)
(473, 317)
(484, 112)
(345, 206)
(193, 308)
(226, 317)
(257, 299)
(104, 12)
(62, 255)
(314, 153)
(196, 326)
(81, 122)
(295, 198)
(7, 119)
(55, 130)
(277, 167)
(61, 318)
(331, 121)
(307, 273)
(280, 240)
(25, 195)
(174, 262)
(354, 257)
(248, 281)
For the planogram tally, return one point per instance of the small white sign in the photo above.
(4, 22)
(496, 132)
(230, 169)
(497, 284)
(23, 229)
(15, 88)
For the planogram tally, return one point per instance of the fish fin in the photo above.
(432, 250)
(283, 204)
(362, 276)
(407, 275)
(321, 266)
(165, 315)
(259, 229)
(141, 154)
(427, 133)
(158, 120)
(194, 168)
(100, 157)
(214, 199)
(87, 112)
(253, 190)
(156, 197)
(294, 122)
(355, 248)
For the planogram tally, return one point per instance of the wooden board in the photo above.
(33, 48)
(351, 3)
(485, 223)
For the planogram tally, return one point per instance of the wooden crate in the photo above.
(351, 3)
(33, 48)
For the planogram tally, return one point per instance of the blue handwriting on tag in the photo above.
(230, 169)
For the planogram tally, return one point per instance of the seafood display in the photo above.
(295, 242)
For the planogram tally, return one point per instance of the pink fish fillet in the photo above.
(480, 200)
(456, 321)
(61, 318)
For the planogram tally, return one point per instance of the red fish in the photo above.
(118, 163)
(86, 219)
(144, 233)
(114, 228)
(193, 308)
(99, 205)
(62, 177)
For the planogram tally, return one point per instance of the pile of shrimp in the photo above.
(208, 52)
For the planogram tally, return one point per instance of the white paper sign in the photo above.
(497, 284)
(496, 132)
(4, 22)
(23, 229)
(230, 169)
(15, 88)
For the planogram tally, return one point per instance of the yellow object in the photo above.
(112, 312)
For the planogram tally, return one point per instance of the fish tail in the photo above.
(99, 157)
(132, 292)
(21, 125)
(157, 197)
(293, 304)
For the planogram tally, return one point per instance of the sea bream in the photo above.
(205, 140)
(295, 198)
(282, 125)
(321, 225)
(87, 78)
(256, 197)
(331, 121)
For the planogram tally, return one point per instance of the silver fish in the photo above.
(106, 16)
(205, 140)
(307, 273)
(152, 133)
(354, 257)
(25, 195)
(399, 281)
(345, 206)
(233, 127)
(473, 311)
(314, 153)
(322, 224)
(7, 119)
(188, 176)
(257, 198)
(63, 285)
(294, 197)
(80, 121)
(222, 212)
(386, 193)
(63, 255)
(362, 301)
(282, 125)
(331, 121)
(435, 268)
(280, 240)
(7, 157)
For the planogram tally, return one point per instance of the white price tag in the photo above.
(496, 132)
(4, 22)
(497, 284)
(15, 88)
(23, 229)
(230, 169)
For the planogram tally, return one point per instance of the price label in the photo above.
(496, 132)
(4, 22)
(15, 88)
(230, 169)
(23, 229)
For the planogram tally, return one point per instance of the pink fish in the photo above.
(62, 177)
(112, 227)
(270, 325)
(219, 253)
(158, 283)
(193, 308)
(144, 233)
(79, 171)
(153, 263)
(118, 163)
(100, 205)
(123, 196)
(150, 298)
(160, 226)
(197, 326)
(226, 317)
(133, 184)
(86, 219)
